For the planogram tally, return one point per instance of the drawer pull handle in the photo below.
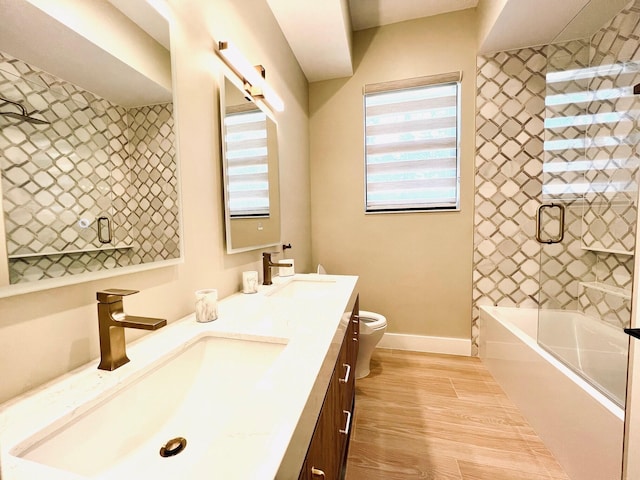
(348, 424)
(354, 339)
(346, 375)
(355, 318)
(316, 472)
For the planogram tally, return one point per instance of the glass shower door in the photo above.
(587, 219)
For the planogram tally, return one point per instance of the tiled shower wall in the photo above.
(522, 162)
(94, 159)
(509, 153)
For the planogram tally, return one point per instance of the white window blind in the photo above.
(247, 163)
(411, 144)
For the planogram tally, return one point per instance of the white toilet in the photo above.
(372, 328)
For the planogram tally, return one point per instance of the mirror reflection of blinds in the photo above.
(247, 164)
(411, 131)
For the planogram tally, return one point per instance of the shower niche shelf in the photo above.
(70, 252)
(592, 248)
(607, 289)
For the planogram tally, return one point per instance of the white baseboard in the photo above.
(421, 343)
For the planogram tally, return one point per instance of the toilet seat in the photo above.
(371, 321)
(372, 328)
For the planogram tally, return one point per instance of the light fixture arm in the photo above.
(253, 76)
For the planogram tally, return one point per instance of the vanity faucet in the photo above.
(111, 324)
(266, 267)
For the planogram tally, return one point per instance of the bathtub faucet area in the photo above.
(111, 324)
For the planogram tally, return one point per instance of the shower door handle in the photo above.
(558, 238)
(104, 230)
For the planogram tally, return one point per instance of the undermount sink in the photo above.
(304, 288)
(192, 395)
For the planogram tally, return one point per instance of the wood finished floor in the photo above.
(443, 417)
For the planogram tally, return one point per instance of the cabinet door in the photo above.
(347, 360)
(350, 345)
(324, 457)
(355, 334)
(326, 454)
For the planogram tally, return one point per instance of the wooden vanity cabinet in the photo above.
(327, 454)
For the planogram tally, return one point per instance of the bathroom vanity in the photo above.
(266, 391)
(327, 454)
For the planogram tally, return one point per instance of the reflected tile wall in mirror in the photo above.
(94, 159)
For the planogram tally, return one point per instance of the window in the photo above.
(247, 163)
(412, 144)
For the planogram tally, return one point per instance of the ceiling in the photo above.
(374, 13)
(35, 36)
(147, 18)
(319, 32)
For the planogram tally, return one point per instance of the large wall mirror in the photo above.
(250, 170)
(87, 144)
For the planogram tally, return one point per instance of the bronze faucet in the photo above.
(111, 324)
(266, 267)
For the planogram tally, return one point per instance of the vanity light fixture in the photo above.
(252, 76)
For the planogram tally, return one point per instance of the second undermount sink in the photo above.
(312, 287)
(191, 395)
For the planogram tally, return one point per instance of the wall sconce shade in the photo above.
(252, 76)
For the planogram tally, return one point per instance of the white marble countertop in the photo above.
(267, 440)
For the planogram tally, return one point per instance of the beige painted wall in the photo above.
(415, 268)
(45, 334)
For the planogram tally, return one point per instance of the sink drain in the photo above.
(173, 447)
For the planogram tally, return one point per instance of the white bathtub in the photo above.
(581, 426)
(595, 350)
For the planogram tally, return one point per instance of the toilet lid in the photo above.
(372, 320)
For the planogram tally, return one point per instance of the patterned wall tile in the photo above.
(510, 125)
(154, 181)
(45, 199)
(588, 162)
(611, 196)
(564, 265)
(619, 39)
(610, 306)
(565, 127)
(94, 159)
